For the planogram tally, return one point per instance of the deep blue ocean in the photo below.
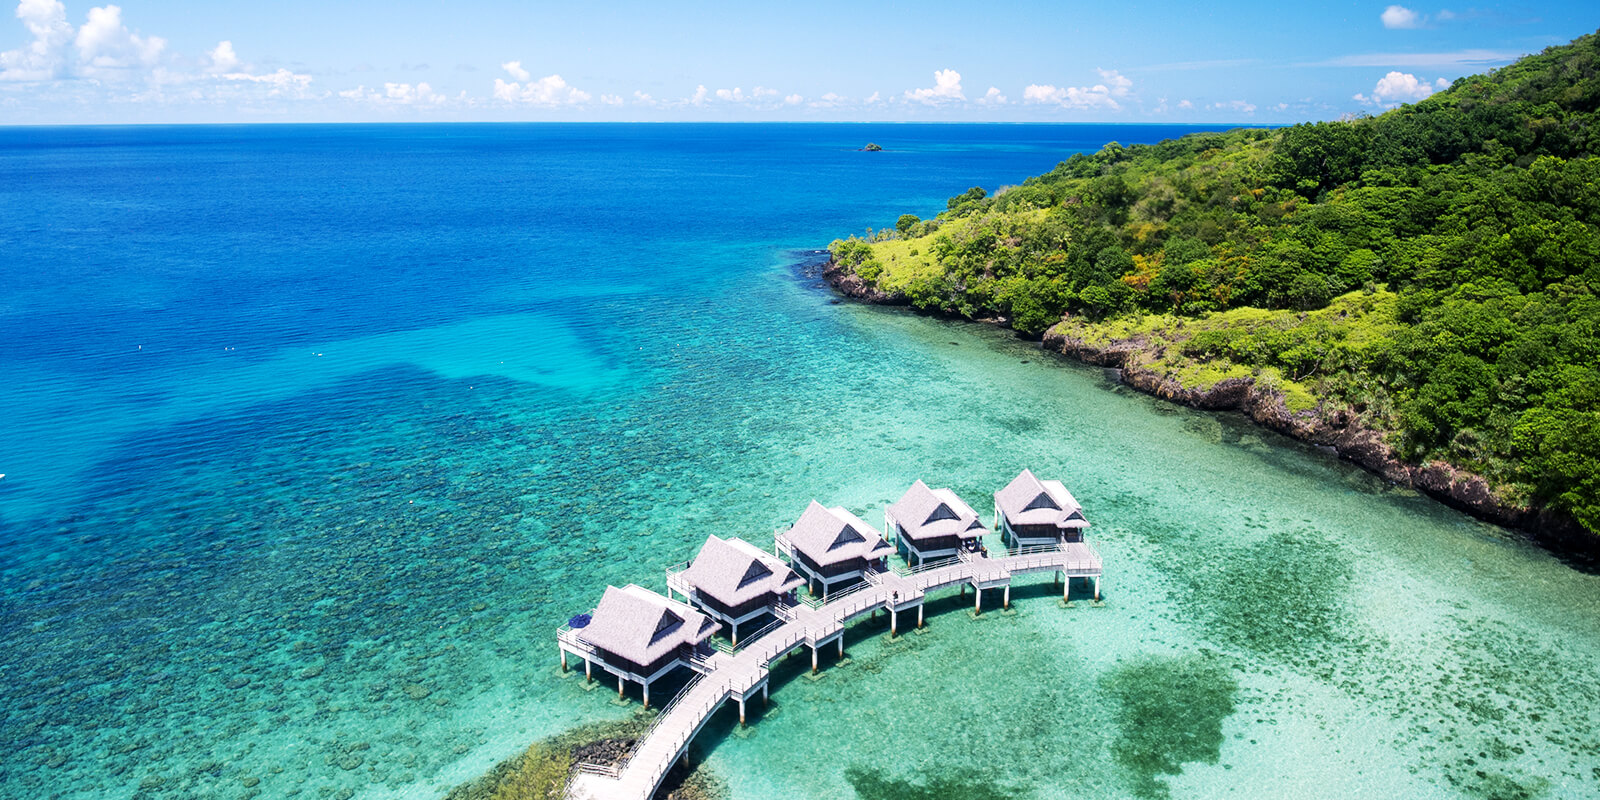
(312, 434)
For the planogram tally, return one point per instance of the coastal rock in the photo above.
(851, 285)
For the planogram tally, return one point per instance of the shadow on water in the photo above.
(964, 785)
(1172, 712)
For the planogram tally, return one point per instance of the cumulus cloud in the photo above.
(1100, 95)
(946, 88)
(874, 99)
(993, 97)
(1185, 104)
(699, 96)
(734, 95)
(643, 99)
(45, 56)
(1119, 84)
(551, 91)
(1398, 87)
(1400, 18)
(419, 95)
(222, 58)
(828, 100)
(105, 43)
(282, 83)
(793, 100)
(611, 99)
(1239, 106)
(762, 91)
(515, 70)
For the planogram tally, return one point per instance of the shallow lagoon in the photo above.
(329, 562)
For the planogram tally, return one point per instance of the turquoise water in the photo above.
(315, 434)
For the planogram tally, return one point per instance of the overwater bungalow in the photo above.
(638, 636)
(830, 546)
(1031, 512)
(932, 523)
(734, 581)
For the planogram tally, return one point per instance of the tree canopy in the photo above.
(1475, 211)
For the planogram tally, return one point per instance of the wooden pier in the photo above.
(740, 673)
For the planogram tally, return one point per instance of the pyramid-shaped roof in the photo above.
(831, 535)
(642, 626)
(924, 513)
(734, 571)
(1030, 501)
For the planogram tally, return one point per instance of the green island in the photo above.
(1416, 289)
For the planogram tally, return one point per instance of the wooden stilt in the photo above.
(588, 672)
(1097, 587)
(841, 645)
(741, 712)
(620, 683)
(1007, 601)
(977, 600)
(563, 658)
(919, 616)
(1066, 585)
(813, 659)
(764, 694)
(735, 634)
(646, 694)
(894, 617)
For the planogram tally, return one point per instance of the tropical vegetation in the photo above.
(1433, 269)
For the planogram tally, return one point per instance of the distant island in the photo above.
(872, 147)
(1417, 289)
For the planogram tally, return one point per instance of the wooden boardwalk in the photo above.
(741, 673)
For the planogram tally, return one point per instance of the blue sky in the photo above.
(145, 61)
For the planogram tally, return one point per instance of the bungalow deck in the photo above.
(739, 673)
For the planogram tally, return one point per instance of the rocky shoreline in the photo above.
(1338, 430)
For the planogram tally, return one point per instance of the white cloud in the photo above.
(515, 70)
(643, 99)
(550, 91)
(104, 43)
(993, 97)
(1185, 104)
(44, 57)
(1099, 95)
(1441, 84)
(419, 95)
(793, 100)
(1119, 84)
(874, 99)
(1400, 18)
(828, 100)
(1239, 106)
(946, 88)
(1398, 87)
(611, 99)
(762, 91)
(699, 97)
(734, 95)
(223, 59)
(1070, 96)
(279, 84)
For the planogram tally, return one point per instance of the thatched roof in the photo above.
(924, 513)
(1030, 501)
(734, 571)
(642, 626)
(831, 535)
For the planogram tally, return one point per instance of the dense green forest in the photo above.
(1433, 269)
